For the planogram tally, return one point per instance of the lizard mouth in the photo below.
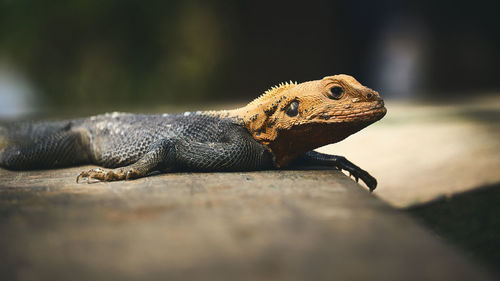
(371, 113)
(375, 111)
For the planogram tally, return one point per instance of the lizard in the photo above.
(279, 129)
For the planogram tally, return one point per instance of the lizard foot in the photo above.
(358, 173)
(108, 175)
(340, 163)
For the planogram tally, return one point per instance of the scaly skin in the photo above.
(278, 129)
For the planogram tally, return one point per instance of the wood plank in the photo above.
(269, 225)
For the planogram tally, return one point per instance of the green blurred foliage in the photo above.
(115, 51)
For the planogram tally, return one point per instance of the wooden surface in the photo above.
(271, 225)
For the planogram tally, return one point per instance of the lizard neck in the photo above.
(255, 118)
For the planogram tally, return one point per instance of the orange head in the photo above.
(294, 118)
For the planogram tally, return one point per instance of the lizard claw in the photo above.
(358, 173)
(352, 174)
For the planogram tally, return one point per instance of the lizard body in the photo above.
(276, 130)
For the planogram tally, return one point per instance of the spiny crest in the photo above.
(273, 91)
(215, 113)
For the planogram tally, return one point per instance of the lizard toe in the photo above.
(110, 176)
(96, 174)
(87, 174)
(82, 175)
(371, 182)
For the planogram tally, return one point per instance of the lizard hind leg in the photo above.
(160, 154)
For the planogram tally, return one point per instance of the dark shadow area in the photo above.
(470, 220)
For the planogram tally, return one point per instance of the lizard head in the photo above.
(294, 118)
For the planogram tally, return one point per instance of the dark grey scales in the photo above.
(175, 142)
(276, 130)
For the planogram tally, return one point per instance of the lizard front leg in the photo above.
(315, 158)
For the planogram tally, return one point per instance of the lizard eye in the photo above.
(293, 109)
(335, 92)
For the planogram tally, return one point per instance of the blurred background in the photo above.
(436, 62)
(91, 56)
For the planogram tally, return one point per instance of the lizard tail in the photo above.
(26, 146)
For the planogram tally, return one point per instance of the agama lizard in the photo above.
(278, 129)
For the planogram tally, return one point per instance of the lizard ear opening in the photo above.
(293, 109)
